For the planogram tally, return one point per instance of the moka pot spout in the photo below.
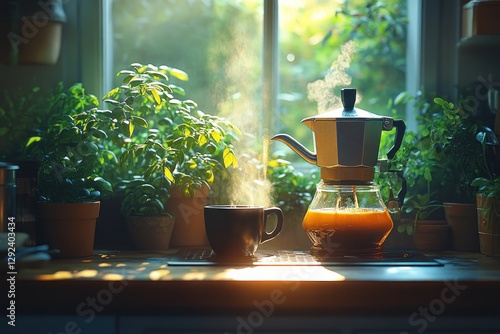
(297, 147)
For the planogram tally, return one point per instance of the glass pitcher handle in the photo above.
(395, 203)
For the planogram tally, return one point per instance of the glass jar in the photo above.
(347, 218)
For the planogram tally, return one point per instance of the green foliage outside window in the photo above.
(220, 44)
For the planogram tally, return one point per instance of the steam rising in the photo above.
(323, 91)
(248, 185)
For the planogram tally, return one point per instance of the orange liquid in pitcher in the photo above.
(346, 229)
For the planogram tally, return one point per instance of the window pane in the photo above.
(354, 43)
(217, 42)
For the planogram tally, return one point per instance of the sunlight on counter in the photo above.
(407, 272)
(160, 274)
(281, 273)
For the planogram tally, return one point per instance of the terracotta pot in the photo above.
(189, 228)
(70, 227)
(462, 217)
(488, 225)
(150, 233)
(432, 235)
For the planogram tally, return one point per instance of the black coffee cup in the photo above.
(237, 230)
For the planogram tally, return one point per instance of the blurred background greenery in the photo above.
(219, 43)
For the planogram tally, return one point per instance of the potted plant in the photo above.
(487, 196)
(149, 225)
(460, 156)
(70, 180)
(488, 200)
(441, 159)
(421, 222)
(26, 113)
(160, 134)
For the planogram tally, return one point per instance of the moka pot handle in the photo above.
(400, 126)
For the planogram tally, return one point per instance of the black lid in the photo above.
(347, 112)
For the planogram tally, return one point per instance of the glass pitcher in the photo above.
(347, 218)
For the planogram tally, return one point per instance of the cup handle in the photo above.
(279, 225)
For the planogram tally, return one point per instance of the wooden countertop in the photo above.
(121, 282)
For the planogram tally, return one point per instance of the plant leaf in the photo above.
(181, 75)
(168, 174)
(216, 135)
(33, 139)
(202, 140)
(157, 75)
(229, 158)
(103, 184)
(127, 128)
(140, 121)
(156, 95)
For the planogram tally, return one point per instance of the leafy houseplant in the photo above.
(143, 205)
(417, 158)
(488, 199)
(26, 114)
(70, 179)
(425, 157)
(164, 143)
(443, 157)
(462, 157)
(159, 134)
(458, 151)
(71, 165)
(441, 160)
(150, 226)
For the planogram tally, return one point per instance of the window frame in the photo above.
(94, 25)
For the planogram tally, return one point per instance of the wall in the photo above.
(67, 69)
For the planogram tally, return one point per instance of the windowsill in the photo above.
(142, 283)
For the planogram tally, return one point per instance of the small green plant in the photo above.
(68, 146)
(28, 113)
(71, 161)
(420, 207)
(162, 140)
(142, 198)
(489, 187)
(441, 159)
(417, 159)
(458, 152)
(291, 189)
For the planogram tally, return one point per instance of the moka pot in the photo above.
(346, 141)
